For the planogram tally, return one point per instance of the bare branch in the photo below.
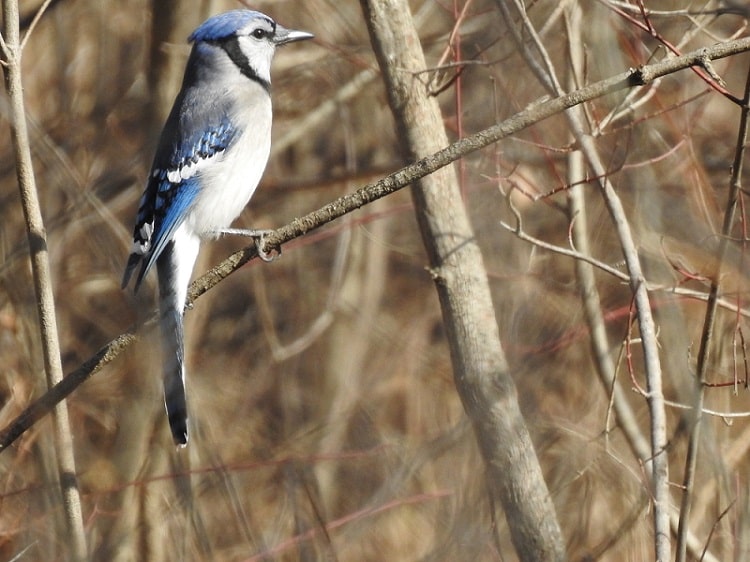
(34, 22)
(37, 236)
(709, 321)
(655, 398)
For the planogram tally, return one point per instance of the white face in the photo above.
(256, 43)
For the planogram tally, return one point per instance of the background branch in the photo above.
(707, 336)
(37, 238)
(658, 459)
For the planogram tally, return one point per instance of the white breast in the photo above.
(229, 182)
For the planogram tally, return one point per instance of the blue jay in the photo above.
(210, 158)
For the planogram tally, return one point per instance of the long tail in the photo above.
(174, 267)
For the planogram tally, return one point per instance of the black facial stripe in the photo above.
(232, 48)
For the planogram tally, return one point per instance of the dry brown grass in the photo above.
(353, 445)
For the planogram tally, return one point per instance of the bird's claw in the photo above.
(260, 242)
(259, 237)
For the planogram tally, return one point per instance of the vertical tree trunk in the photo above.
(481, 372)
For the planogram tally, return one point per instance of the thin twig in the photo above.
(700, 69)
(32, 25)
(611, 270)
(704, 351)
(714, 526)
(707, 411)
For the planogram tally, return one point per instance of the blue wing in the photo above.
(187, 144)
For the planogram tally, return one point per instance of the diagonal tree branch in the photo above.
(398, 180)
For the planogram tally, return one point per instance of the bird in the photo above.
(210, 157)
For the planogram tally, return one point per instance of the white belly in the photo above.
(228, 184)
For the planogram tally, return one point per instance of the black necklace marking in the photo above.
(232, 47)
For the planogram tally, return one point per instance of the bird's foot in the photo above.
(259, 237)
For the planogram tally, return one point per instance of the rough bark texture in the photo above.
(481, 372)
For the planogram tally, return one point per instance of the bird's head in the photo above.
(248, 38)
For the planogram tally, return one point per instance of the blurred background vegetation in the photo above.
(326, 424)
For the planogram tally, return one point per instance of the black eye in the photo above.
(259, 33)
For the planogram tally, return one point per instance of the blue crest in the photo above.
(224, 25)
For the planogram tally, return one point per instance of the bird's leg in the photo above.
(258, 235)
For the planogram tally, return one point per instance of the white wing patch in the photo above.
(191, 167)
